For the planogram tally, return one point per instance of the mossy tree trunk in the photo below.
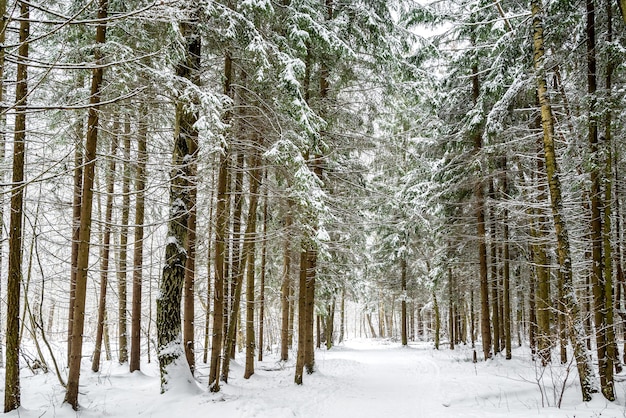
(575, 325)
(170, 350)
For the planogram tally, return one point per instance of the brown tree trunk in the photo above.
(170, 350)
(575, 325)
(221, 223)
(330, 323)
(342, 323)
(309, 314)
(532, 311)
(485, 322)
(285, 290)
(605, 364)
(495, 313)
(255, 181)
(302, 321)
(237, 266)
(263, 270)
(3, 146)
(106, 241)
(405, 340)
(82, 265)
(76, 208)
(190, 264)
(140, 189)
(451, 308)
(209, 238)
(506, 276)
(542, 293)
(12, 374)
(612, 351)
(123, 263)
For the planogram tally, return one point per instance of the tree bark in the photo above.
(285, 290)
(190, 264)
(612, 350)
(12, 399)
(506, 277)
(123, 259)
(170, 345)
(76, 208)
(140, 189)
(221, 223)
(495, 313)
(542, 293)
(262, 278)
(575, 325)
(485, 322)
(403, 308)
(76, 351)
(106, 247)
(302, 321)
(250, 240)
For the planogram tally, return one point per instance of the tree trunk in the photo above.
(209, 237)
(106, 241)
(285, 290)
(140, 189)
(76, 208)
(542, 293)
(123, 263)
(437, 321)
(82, 265)
(302, 321)
(190, 265)
(170, 345)
(495, 313)
(605, 364)
(575, 325)
(3, 146)
(249, 253)
(404, 330)
(263, 270)
(330, 323)
(342, 323)
(532, 310)
(506, 276)
(14, 281)
(238, 258)
(485, 323)
(451, 332)
(562, 326)
(309, 348)
(221, 222)
(612, 351)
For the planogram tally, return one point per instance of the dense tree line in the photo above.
(190, 179)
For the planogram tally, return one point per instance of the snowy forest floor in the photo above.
(360, 378)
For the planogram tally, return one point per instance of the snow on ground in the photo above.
(362, 378)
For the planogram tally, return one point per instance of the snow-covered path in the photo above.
(363, 378)
(377, 379)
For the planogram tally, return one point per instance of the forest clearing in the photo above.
(313, 207)
(361, 378)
